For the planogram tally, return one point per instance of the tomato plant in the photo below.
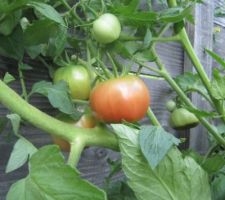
(106, 28)
(114, 42)
(124, 98)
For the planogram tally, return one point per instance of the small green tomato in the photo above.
(106, 28)
(78, 80)
(181, 118)
(170, 105)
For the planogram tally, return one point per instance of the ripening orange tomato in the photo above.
(124, 98)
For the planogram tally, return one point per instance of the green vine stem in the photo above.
(23, 85)
(152, 117)
(187, 101)
(205, 96)
(76, 148)
(197, 64)
(114, 67)
(98, 136)
(64, 2)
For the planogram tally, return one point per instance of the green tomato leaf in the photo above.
(139, 18)
(120, 191)
(56, 44)
(12, 46)
(176, 177)
(214, 164)
(22, 150)
(47, 11)
(10, 6)
(9, 23)
(145, 56)
(58, 96)
(216, 57)
(8, 78)
(133, 46)
(15, 121)
(217, 187)
(155, 142)
(24, 66)
(41, 87)
(127, 9)
(50, 178)
(120, 49)
(33, 36)
(175, 14)
(147, 39)
(34, 51)
(218, 85)
(189, 81)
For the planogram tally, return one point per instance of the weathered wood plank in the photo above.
(201, 35)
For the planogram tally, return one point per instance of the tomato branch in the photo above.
(22, 83)
(152, 117)
(76, 148)
(98, 136)
(197, 64)
(186, 100)
(166, 39)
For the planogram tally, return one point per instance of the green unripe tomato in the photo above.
(106, 28)
(170, 105)
(78, 80)
(181, 118)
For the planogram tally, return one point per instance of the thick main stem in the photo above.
(97, 136)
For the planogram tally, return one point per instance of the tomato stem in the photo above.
(148, 67)
(73, 12)
(76, 148)
(103, 7)
(91, 9)
(23, 85)
(115, 71)
(49, 67)
(166, 39)
(78, 101)
(152, 117)
(65, 4)
(89, 65)
(107, 73)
